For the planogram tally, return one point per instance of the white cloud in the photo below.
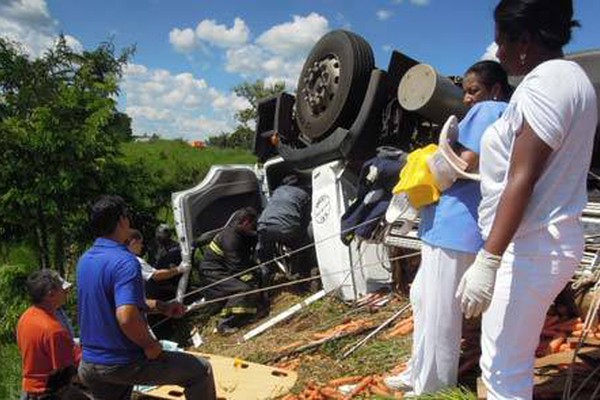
(73, 43)
(297, 36)
(245, 60)
(176, 105)
(276, 55)
(218, 35)
(29, 23)
(387, 48)
(490, 52)
(382, 15)
(420, 2)
(183, 40)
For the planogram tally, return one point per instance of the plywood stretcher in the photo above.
(237, 379)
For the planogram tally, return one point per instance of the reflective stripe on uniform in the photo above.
(215, 248)
(246, 277)
(238, 310)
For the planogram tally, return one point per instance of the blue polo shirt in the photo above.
(108, 276)
(451, 223)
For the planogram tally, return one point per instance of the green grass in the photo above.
(10, 372)
(449, 394)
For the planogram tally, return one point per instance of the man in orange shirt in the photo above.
(48, 353)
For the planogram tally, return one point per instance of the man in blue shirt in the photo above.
(119, 349)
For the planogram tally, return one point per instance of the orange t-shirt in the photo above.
(45, 346)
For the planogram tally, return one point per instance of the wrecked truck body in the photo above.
(344, 109)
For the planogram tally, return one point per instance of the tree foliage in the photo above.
(243, 135)
(59, 134)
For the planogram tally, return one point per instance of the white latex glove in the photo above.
(181, 268)
(476, 287)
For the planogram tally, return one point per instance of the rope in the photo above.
(255, 267)
(290, 283)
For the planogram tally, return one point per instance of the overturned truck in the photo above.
(344, 110)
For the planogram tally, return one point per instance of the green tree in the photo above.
(243, 134)
(59, 133)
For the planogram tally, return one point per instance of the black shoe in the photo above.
(224, 327)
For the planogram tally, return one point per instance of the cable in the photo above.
(255, 267)
(290, 283)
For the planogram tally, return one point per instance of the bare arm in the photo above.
(529, 157)
(164, 274)
(135, 327)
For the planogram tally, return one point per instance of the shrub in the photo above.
(13, 298)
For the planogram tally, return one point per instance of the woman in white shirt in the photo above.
(533, 164)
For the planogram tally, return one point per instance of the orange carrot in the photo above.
(380, 392)
(381, 387)
(556, 343)
(359, 388)
(564, 347)
(289, 346)
(348, 380)
(330, 393)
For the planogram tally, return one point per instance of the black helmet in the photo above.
(163, 231)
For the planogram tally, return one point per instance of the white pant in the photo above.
(437, 320)
(525, 287)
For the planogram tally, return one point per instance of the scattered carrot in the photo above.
(379, 392)
(348, 380)
(289, 347)
(331, 393)
(360, 387)
(555, 344)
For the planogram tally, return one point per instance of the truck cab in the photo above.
(344, 109)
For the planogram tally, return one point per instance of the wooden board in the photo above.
(237, 380)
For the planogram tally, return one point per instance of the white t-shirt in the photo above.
(559, 103)
(147, 269)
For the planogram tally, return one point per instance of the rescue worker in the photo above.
(285, 220)
(49, 355)
(151, 275)
(166, 256)
(229, 253)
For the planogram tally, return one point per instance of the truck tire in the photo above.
(333, 83)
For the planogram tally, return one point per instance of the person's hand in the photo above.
(180, 268)
(476, 287)
(153, 351)
(173, 309)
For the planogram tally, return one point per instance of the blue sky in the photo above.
(191, 53)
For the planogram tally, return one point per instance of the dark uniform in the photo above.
(168, 253)
(285, 220)
(229, 253)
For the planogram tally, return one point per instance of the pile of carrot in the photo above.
(344, 328)
(362, 386)
(401, 328)
(556, 332)
(291, 365)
